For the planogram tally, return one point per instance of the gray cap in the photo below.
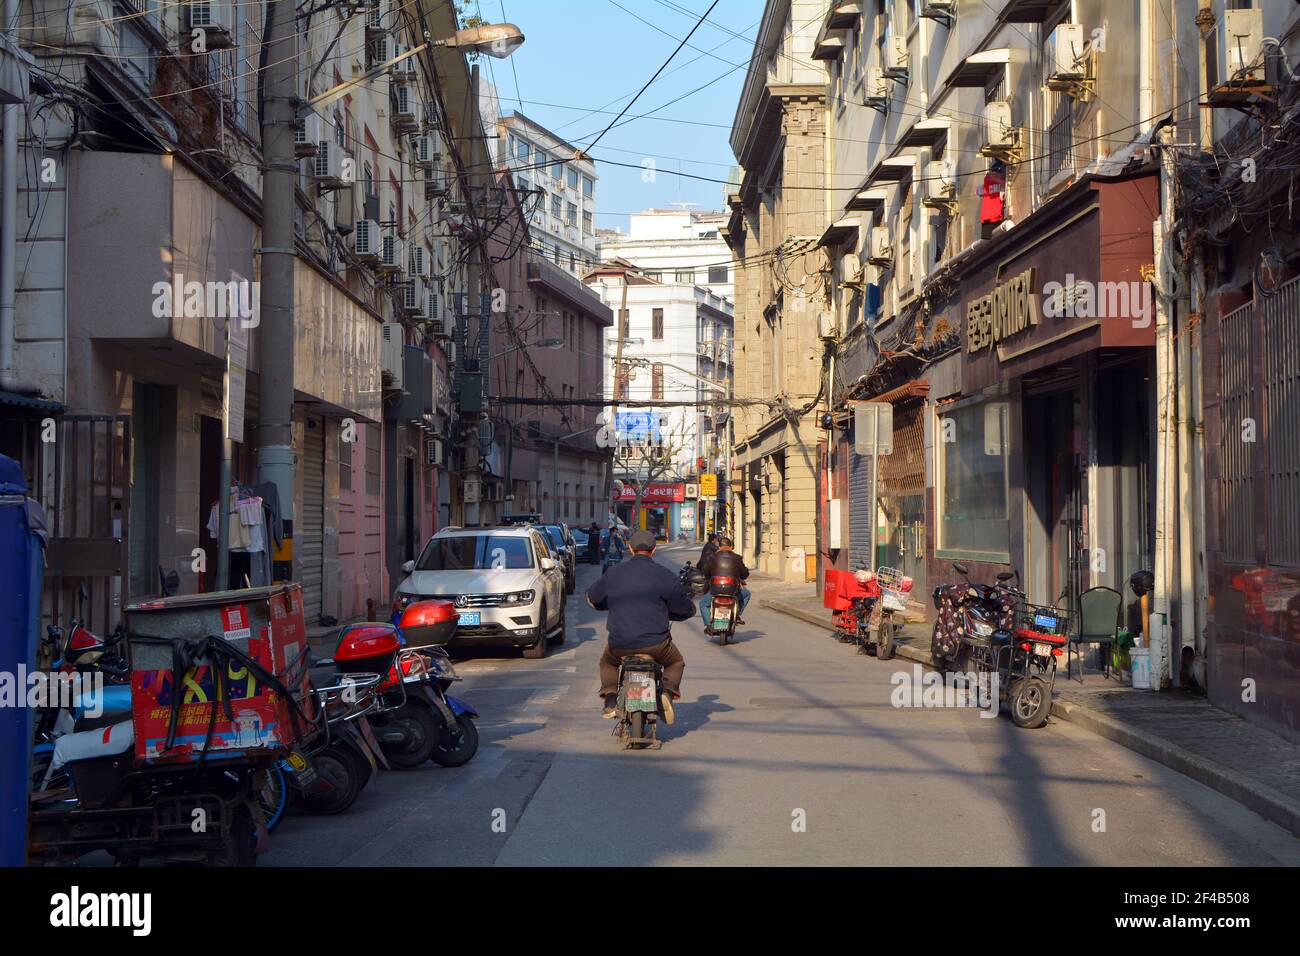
(642, 540)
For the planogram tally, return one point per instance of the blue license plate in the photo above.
(1044, 620)
(469, 617)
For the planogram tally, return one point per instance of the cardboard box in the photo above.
(266, 624)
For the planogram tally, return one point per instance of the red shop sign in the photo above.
(657, 492)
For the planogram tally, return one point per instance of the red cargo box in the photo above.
(832, 596)
(255, 638)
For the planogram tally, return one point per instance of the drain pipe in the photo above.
(10, 381)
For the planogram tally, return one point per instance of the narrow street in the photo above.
(785, 720)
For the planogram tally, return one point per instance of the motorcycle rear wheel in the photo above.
(423, 731)
(636, 726)
(340, 769)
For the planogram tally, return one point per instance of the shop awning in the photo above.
(27, 403)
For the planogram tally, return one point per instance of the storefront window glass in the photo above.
(973, 450)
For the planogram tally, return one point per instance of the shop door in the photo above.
(1055, 499)
(309, 525)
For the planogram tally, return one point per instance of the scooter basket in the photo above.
(1039, 622)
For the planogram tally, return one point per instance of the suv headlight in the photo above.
(518, 597)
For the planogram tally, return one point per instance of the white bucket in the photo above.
(1140, 661)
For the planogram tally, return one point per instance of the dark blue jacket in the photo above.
(643, 599)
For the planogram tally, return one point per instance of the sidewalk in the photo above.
(1253, 766)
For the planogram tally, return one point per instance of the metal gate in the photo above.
(89, 520)
(309, 524)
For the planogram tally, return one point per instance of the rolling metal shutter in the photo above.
(309, 526)
(861, 510)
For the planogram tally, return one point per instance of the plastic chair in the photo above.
(1099, 610)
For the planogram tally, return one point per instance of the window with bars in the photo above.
(657, 381)
(1282, 409)
(657, 324)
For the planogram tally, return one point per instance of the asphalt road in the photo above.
(786, 750)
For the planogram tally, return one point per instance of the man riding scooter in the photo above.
(643, 599)
(725, 562)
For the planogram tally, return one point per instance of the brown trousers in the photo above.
(666, 654)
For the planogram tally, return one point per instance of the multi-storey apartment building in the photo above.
(675, 245)
(560, 182)
(993, 204)
(139, 243)
(776, 216)
(677, 349)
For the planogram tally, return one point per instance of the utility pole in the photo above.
(618, 381)
(275, 331)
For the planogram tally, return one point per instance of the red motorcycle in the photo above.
(725, 608)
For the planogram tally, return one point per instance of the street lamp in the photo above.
(494, 39)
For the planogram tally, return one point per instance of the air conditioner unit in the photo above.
(365, 239)
(1238, 46)
(375, 18)
(999, 133)
(345, 210)
(433, 454)
(877, 89)
(881, 250)
(404, 107)
(435, 183)
(826, 326)
(215, 19)
(438, 327)
(390, 251)
(415, 297)
(940, 184)
(391, 354)
(419, 264)
(307, 139)
(1064, 54)
(424, 149)
(896, 58)
(939, 9)
(703, 348)
(431, 116)
(327, 166)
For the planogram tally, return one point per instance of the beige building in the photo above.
(778, 137)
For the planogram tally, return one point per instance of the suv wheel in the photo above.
(537, 650)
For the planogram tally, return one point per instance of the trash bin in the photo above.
(1140, 658)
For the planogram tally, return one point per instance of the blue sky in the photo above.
(583, 55)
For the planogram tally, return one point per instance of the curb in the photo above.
(1268, 803)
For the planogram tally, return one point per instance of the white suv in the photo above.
(506, 586)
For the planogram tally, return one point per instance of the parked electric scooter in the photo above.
(426, 627)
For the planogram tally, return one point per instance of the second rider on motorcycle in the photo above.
(725, 562)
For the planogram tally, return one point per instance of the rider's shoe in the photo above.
(611, 707)
(666, 699)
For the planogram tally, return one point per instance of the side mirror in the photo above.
(408, 567)
(1005, 575)
(960, 568)
(548, 564)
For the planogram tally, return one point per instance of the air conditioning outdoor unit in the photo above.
(881, 250)
(404, 107)
(424, 149)
(415, 297)
(404, 70)
(877, 89)
(419, 264)
(215, 19)
(390, 251)
(1240, 46)
(1065, 64)
(1000, 135)
(307, 139)
(438, 327)
(896, 58)
(365, 239)
(431, 116)
(433, 454)
(940, 184)
(327, 166)
(391, 354)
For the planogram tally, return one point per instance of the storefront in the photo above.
(660, 510)
(1043, 455)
